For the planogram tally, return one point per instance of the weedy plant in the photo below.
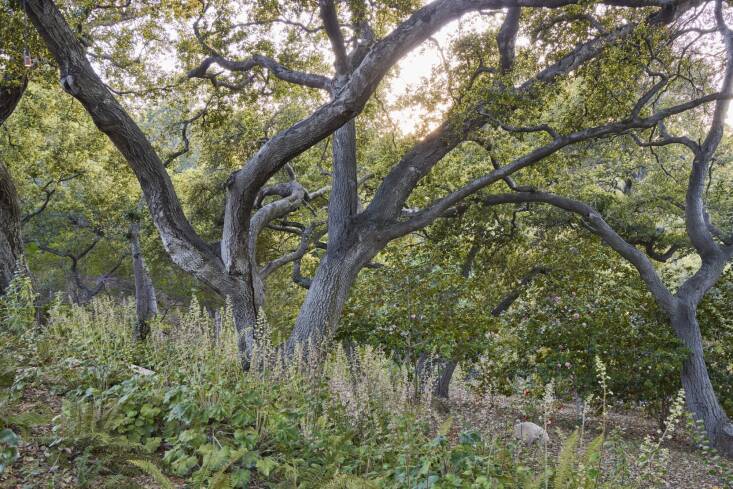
(17, 305)
(181, 404)
(653, 458)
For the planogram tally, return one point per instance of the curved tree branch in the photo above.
(697, 222)
(308, 236)
(185, 247)
(277, 69)
(600, 227)
(331, 24)
(426, 216)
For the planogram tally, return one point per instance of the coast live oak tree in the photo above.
(711, 243)
(503, 90)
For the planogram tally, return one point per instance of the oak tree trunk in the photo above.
(11, 243)
(146, 304)
(442, 385)
(324, 302)
(245, 307)
(699, 393)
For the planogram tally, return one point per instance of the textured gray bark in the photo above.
(146, 303)
(325, 300)
(11, 242)
(699, 392)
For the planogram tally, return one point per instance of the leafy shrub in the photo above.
(558, 336)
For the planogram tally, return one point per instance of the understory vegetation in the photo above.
(177, 410)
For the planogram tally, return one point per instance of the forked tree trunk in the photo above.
(146, 303)
(699, 392)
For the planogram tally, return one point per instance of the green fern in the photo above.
(538, 482)
(592, 461)
(220, 480)
(223, 482)
(154, 472)
(593, 453)
(85, 424)
(445, 426)
(565, 465)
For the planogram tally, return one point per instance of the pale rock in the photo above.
(530, 433)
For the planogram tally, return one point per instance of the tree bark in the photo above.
(442, 385)
(146, 304)
(324, 302)
(11, 242)
(699, 392)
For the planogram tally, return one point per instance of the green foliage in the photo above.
(215, 427)
(17, 306)
(569, 317)
(151, 469)
(8, 448)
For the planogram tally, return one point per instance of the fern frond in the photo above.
(592, 461)
(445, 426)
(565, 459)
(593, 453)
(153, 471)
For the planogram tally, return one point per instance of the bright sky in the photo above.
(414, 68)
(418, 66)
